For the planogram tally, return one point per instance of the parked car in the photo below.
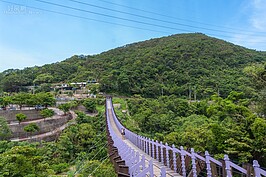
(39, 107)
(12, 108)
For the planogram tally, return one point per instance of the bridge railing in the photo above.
(187, 163)
(114, 144)
(125, 157)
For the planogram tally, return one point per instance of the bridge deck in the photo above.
(156, 163)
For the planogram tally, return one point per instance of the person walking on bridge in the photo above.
(123, 133)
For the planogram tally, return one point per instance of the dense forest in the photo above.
(79, 149)
(186, 89)
(186, 65)
(221, 126)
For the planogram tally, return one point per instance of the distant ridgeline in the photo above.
(187, 65)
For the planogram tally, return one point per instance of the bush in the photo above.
(100, 101)
(20, 117)
(65, 107)
(5, 131)
(32, 127)
(59, 168)
(81, 117)
(47, 113)
(90, 105)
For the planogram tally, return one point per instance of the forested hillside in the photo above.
(78, 151)
(234, 125)
(186, 65)
(186, 89)
(221, 126)
(177, 64)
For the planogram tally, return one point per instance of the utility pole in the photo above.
(195, 93)
(189, 92)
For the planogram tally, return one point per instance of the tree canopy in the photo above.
(20, 117)
(32, 127)
(219, 125)
(192, 66)
(78, 150)
(5, 131)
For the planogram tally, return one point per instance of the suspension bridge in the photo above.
(137, 156)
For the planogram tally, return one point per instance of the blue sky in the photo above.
(31, 36)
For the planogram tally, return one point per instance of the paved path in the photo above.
(156, 163)
(58, 115)
(59, 129)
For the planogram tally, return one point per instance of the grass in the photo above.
(126, 119)
(100, 108)
(120, 101)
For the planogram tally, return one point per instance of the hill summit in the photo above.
(187, 65)
(178, 64)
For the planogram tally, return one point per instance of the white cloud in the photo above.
(257, 24)
(11, 58)
(258, 15)
(250, 41)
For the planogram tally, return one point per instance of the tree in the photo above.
(81, 117)
(97, 169)
(31, 101)
(20, 117)
(90, 105)
(65, 107)
(78, 138)
(262, 103)
(43, 78)
(13, 82)
(43, 88)
(6, 100)
(61, 167)
(21, 99)
(23, 161)
(47, 113)
(257, 73)
(31, 128)
(94, 88)
(46, 99)
(258, 129)
(4, 129)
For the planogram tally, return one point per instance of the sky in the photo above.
(38, 32)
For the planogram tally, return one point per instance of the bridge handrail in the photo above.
(147, 146)
(135, 165)
(257, 170)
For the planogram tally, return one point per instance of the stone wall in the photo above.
(47, 138)
(10, 115)
(45, 126)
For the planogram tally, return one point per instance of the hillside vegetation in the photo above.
(79, 151)
(227, 83)
(186, 65)
(175, 65)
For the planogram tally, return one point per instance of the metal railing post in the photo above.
(183, 154)
(174, 158)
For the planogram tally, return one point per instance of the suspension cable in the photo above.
(99, 165)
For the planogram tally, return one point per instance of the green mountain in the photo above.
(185, 65)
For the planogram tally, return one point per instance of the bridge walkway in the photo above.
(156, 164)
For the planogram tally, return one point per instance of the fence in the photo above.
(190, 163)
(127, 161)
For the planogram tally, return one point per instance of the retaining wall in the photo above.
(10, 115)
(45, 126)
